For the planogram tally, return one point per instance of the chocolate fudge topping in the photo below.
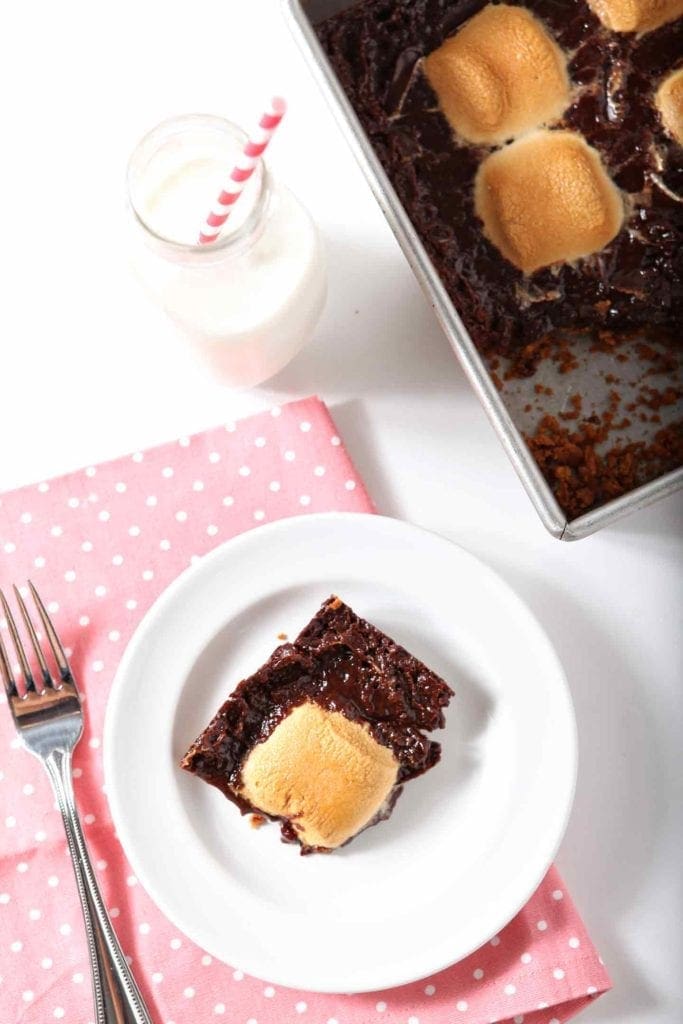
(636, 281)
(343, 664)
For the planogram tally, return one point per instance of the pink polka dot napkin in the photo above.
(101, 545)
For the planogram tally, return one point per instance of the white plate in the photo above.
(467, 844)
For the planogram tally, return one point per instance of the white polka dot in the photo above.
(350, 485)
(557, 894)
(591, 990)
(276, 411)
(40, 836)
(16, 946)
(259, 515)
(43, 487)
(148, 575)
(495, 941)
(212, 530)
(114, 912)
(58, 1012)
(175, 943)
(56, 531)
(151, 501)
(574, 943)
(335, 441)
(542, 925)
(77, 772)
(39, 562)
(430, 990)
(120, 488)
(34, 915)
(260, 442)
(301, 1007)
(22, 867)
(228, 500)
(380, 1007)
(558, 974)
(274, 486)
(319, 471)
(28, 789)
(144, 928)
(134, 531)
(244, 471)
(100, 590)
(332, 1020)
(219, 1009)
(157, 977)
(27, 996)
(519, 1019)
(131, 880)
(137, 456)
(101, 865)
(413, 1020)
(305, 500)
(198, 485)
(214, 457)
(131, 605)
(46, 963)
(461, 1005)
(167, 472)
(526, 958)
(184, 442)
(90, 471)
(53, 881)
(10, 820)
(25, 518)
(104, 516)
(509, 990)
(290, 455)
(269, 992)
(114, 635)
(188, 992)
(304, 426)
(238, 975)
(206, 960)
(165, 545)
(52, 607)
(4, 898)
(97, 666)
(181, 516)
(89, 819)
(478, 974)
(65, 929)
(553, 1020)
(94, 743)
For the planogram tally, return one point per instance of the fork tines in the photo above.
(6, 669)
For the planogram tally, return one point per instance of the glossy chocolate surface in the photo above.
(636, 281)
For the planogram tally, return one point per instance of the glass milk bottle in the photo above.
(248, 301)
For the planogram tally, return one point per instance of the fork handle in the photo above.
(117, 997)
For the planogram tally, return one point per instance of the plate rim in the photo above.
(157, 608)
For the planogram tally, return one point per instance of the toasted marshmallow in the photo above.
(499, 76)
(325, 773)
(636, 15)
(669, 102)
(547, 198)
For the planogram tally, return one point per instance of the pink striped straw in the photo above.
(242, 172)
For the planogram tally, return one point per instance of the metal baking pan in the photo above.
(509, 413)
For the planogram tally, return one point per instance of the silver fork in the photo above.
(49, 720)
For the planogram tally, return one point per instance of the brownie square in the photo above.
(324, 735)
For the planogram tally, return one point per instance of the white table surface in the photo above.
(90, 370)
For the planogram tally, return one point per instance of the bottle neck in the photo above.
(180, 167)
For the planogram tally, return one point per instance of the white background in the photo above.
(89, 370)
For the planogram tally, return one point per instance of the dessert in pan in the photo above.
(537, 149)
(324, 735)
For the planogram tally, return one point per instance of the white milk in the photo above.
(249, 301)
